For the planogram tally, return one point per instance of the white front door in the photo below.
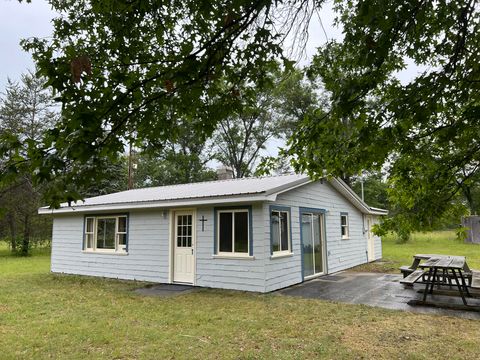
(184, 247)
(370, 240)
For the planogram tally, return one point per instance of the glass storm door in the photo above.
(313, 244)
(184, 242)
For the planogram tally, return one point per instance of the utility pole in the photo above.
(361, 185)
(130, 168)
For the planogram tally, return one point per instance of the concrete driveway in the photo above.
(381, 290)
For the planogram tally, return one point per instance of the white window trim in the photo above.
(237, 256)
(85, 245)
(282, 253)
(119, 249)
(346, 226)
(233, 253)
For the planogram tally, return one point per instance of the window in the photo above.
(233, 232)
(280, 227)
(344, 225)
(106, 233)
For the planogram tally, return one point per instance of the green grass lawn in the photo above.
(71, 317)
(438, 242)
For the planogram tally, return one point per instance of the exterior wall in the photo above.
(378, 240)
(147, 257)
(241, 274)
(148, 252)
(341, 253)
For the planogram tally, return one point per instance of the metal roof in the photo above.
(209, 192)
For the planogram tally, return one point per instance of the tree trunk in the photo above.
(468, 196)
(13, 232)
(26, 236)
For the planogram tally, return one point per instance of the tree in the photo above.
(112, 79)
(425, 130)
(181, 160)
(270, 113)
(26, 113)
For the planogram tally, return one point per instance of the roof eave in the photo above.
(156, 204)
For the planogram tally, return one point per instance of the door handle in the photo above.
(192, 251)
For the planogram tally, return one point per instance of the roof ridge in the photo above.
(213, 181)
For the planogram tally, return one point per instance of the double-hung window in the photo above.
(345, 231)
(280, 231)
(233, 232)
(106, 233)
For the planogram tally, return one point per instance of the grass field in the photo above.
(71, 317)
(438, 242)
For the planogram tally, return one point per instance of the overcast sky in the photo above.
(19, 21)
(22, 20)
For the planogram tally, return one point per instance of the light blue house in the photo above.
(255, 234)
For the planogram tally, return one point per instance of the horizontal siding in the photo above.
(378, 241)
(341, 253)
(148, 247)
(240, 274)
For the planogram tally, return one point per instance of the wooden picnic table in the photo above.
(448, 265)
(447, 270)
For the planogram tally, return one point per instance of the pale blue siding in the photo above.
(378, 241)
(341, 253)
(148, 249)
(240, 274)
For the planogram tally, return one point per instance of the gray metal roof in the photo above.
(210, 192)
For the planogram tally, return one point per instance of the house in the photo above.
(256, 234)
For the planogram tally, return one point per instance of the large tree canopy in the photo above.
(126, 70)
(129, 67)
(425, 131)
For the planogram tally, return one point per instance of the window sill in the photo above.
(281, 255)
(345, 238)
(234, 257)
(119, 253)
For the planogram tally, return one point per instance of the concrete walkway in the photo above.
(381, 290)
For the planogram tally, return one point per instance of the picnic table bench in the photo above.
(413, 277)
(407, 270)
(475, 281)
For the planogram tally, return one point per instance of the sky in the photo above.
(22, 20)
(19, 21)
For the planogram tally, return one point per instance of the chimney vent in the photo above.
(224, 173)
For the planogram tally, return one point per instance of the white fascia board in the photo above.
(154, 204)
(377, 211)
(284, 189)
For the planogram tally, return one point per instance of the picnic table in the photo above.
(435, 269)
(447, 265)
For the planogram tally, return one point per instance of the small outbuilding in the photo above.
(256, 234)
